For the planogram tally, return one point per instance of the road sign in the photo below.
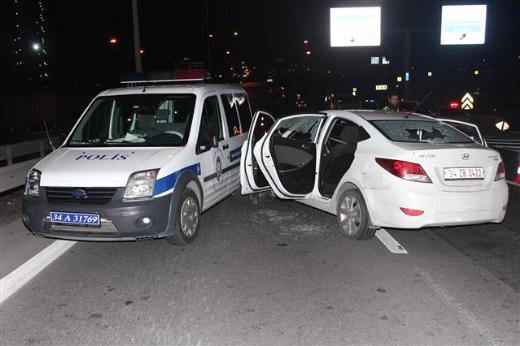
(467, 101)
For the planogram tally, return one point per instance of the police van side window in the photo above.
(210, 125)
(230, 108)
(244, 111)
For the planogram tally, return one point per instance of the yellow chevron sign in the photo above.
(467, 101)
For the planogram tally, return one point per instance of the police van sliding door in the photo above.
(211, 147)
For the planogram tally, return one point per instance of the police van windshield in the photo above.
(136, 120)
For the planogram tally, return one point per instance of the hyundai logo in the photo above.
(79, 194)
(465, 156)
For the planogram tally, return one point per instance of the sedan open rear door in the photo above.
(287, 155)
(251, 177)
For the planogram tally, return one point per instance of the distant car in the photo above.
(373, 169)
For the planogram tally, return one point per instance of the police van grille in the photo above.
(95, 195)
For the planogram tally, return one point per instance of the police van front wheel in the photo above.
(187, 219)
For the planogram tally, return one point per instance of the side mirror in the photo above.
(214, 141)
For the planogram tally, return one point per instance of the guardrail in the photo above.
(16, 159)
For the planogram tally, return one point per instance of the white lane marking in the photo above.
(468, 318)
(12, 282)
(391, 244)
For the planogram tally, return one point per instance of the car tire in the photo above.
(353, 217)
(187, 219)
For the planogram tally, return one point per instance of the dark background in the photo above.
(81, 61)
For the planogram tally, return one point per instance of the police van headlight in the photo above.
(140, 185)
(32, 183)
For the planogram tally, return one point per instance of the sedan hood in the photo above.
(99, 167)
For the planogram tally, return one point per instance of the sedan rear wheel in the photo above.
(352, 214)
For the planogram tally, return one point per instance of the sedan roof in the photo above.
(370, 115)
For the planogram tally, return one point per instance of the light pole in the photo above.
(137, 41)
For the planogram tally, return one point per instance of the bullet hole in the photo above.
(128, 302)
(381, 290)
(282, 244)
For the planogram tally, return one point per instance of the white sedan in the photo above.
(376, 169)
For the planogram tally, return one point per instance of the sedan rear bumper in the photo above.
(439, 208)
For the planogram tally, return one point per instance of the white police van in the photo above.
(142, 162)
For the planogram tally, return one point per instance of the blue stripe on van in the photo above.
(168, 182)
(235, 154)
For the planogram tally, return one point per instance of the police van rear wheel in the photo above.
(187, 219)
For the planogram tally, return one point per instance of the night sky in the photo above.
(270, 34)
(78, 32)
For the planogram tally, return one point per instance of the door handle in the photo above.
(225, 147)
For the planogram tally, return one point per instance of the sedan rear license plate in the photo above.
(464, 173)
(77, 219)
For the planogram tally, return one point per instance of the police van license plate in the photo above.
(77, 219)
(464, 173)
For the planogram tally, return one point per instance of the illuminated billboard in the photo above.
(355, 26)
(463, 24)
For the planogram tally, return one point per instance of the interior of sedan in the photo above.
(338, 154)
(294, 153)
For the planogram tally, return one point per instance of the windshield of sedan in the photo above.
(136, 120)
(420, 131)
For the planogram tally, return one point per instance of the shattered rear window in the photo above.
(420, 131)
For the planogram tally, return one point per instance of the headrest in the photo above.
(350, 134)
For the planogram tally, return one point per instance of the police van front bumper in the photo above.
(120, 221)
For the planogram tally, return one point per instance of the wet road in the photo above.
(265, 271)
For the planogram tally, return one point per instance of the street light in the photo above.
(141, 51)
(228, 52)
(476, 72)
(305, 41)
(36, 46)
(113, 41)
(211, 35)
(430, 73)
(308, 52)
(235, 33)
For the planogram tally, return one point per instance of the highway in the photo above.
(266, 271)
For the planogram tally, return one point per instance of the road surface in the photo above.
(266, 272)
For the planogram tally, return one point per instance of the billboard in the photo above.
(355, 26)
(463, 24)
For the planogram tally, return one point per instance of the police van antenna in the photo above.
(48, 136)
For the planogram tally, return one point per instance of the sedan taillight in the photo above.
(405, 170)
(501, 171)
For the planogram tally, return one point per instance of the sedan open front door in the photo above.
(251, 177)
(287, 155)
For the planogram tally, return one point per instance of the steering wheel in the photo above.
(177, 133)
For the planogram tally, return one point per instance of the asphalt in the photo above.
(271, 272)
